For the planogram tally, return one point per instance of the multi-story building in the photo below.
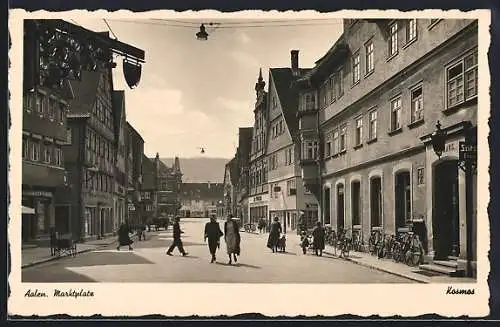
(200, 199)
(44, 134)
(135, 153)
(90, 156)
(288, 198)
(243, 162)
(160, 194)
(120, 185)
(230, 187)
(258, 195)
(368, 109)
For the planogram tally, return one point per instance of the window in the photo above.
(289, 156)
(149, 207)
(420, 176)
(359, 131)
(335, 142)
(340, 82)
(310, 150)
(275, 103)
(328, 145)
(35, 151)
(393, 39)
(52, 108)
(61, 112)
(417, 105)
(396, 114)
(28, 100)
(146, 195)
(290, 185)
(369, 57)
(323, 96)
(40, 103)
(331, 89)
(25, 148)
(46, 153)
(411, 30)
(355, 69)
(462, 80)
(57, 156)
(309, 101)
(372, 131)
(342, 139)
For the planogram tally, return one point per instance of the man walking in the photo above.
(213, 234)
(177, 239)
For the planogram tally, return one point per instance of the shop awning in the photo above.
(27, 210)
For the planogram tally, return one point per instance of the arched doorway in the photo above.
(326, 202)
(402, 198)
(356, 203)
(340, 207)
(445, 217)
(376, 202)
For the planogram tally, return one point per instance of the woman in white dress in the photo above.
(232, 238)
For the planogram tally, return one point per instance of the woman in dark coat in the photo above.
(274, 235)
(318, 234)
(123, 237)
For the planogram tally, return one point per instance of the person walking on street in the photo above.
(177, 239)
(318, 234)
(123, 237)
(213, 234)
(232, 238)
(274, 235)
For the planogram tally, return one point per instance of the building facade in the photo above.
(200, 200)
(288, 198)
(133, 166)
(243, 166)
(367, 111)
(258, 195)
(43, 170)
(90, 154)
(120, 185)
(230, 188)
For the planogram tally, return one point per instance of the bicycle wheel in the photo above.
(345, 251)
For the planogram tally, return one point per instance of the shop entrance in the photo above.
(445, 218)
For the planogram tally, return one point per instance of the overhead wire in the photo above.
(110, 29)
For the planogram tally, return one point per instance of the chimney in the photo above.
(294, 57)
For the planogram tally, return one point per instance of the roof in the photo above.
(203, 190)
(134, 131)
(85, 92)
(339, 46)
(288, 94)
(234, 173)
(245, 141)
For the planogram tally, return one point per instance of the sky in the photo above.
(195, 94)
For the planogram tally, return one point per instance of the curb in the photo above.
(54, 258)
(382, 269)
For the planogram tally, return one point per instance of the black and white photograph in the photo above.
(277, 157)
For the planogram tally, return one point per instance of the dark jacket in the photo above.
(212, 231)
(123, 237)
(176, 230)
(274, 235)
(319, 238)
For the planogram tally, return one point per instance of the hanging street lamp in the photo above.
(202, 35)
(438, 139)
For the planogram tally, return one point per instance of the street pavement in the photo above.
(147, 262)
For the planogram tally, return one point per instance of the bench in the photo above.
(62, 245)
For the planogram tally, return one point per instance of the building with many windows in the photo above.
(43, 172)
(200, 199)
(134, 146)
(258, 195)
(368, 109)
(288, 197)
(90, 157)
(120, 185)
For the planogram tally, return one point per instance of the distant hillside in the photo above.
(199, 170)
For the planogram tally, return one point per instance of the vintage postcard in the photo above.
(282, 163)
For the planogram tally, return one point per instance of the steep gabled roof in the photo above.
(148, 173)
(85, 92)
(288, 94)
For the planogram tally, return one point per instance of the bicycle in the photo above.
(357, 241)
(373, 242)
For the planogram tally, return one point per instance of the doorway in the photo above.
(402, 198)
(376, 202)
(340, 207)
(327, 206)
(445, 217)
(62, 218)
(356, 202)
